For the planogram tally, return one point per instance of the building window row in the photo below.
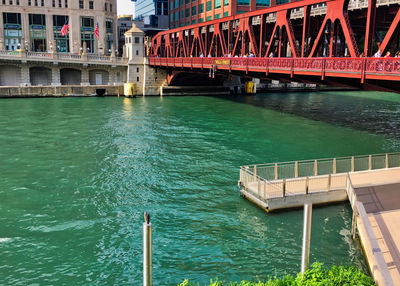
(38, 35)
(10, 2)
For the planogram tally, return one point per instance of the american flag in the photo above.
(96, 31)
(64, 29)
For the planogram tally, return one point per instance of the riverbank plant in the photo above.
(316, 275)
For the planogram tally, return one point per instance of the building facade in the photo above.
(124, 24)
(188, 12)
(35, 25)
(153, 13)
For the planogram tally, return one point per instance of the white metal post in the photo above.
(305, 252)
(147, 275)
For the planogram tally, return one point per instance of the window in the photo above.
(59, 4)
(278, 2)
(137, 69)
(217, 16)
(209, 18)
(80, 4)
(171, 5)
(201, 8)
(105, 6)
(176, 16)
(244, 2)
(193, 22)
(226, 14)
(137, 52)
(66, 4)
(176, 3)
(36, 2)
(201, 20)
(187, 1)
(4, 2)
(262, 2)
(217, 3)
(181, 14)
(110, 7)
(226, 2)
(137, 40)
(37, 31)
(181, 2)
(109, 35)
(53, 3)
(42, 4)
(17, 2)
(11, 2)
(13, 32)
(194, 12)
(187, 12)
(158, 8)
(137, 78)
(91, 5)
(209, 5)
(61, 42)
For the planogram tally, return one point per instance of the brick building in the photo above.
(187, 12)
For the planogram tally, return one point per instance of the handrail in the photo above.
(312, 160)
(376, 250)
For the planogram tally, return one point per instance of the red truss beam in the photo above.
(236, 35)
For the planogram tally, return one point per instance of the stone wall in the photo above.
(58, 91)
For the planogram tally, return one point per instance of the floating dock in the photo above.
(371, 183)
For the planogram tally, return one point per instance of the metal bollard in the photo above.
(147, 250)
(305, 252)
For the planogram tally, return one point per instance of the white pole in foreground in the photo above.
(146, 250)
(305, 252)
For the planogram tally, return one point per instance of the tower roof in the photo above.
(134, 30)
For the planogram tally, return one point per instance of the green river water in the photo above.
(76, 175)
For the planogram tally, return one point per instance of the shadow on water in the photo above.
(374, 112)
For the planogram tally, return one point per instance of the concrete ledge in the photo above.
(58, 91)
(295, 201)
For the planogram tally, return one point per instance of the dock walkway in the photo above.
(371, 183)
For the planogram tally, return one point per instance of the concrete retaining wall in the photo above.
(55, 91)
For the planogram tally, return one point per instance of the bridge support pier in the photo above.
(55, 76)
(25, 77)
(85, 77)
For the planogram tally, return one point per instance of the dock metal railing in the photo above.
(302, 177)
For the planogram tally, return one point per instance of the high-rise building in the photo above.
(153, 13)
(36, 25)
(124, 24)
(188, 12)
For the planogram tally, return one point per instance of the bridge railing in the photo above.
(355, 66)
(62, 56)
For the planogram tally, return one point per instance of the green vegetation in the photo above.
(317, 275)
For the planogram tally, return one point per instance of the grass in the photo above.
(316, 275)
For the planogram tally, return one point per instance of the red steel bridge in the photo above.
(308, 40)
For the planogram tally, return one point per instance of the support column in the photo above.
(85, 76)
(50, 33)
(74, 34)
(25, 31)
(1, 33)
(25, 78)
(55, 76)
(370, 28)
(112, 76)
(306, 31)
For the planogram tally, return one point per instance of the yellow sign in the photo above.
(222, 62)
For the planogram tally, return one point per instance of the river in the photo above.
(78, 173)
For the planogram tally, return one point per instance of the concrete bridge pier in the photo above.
(25, 77)
(55, 76)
